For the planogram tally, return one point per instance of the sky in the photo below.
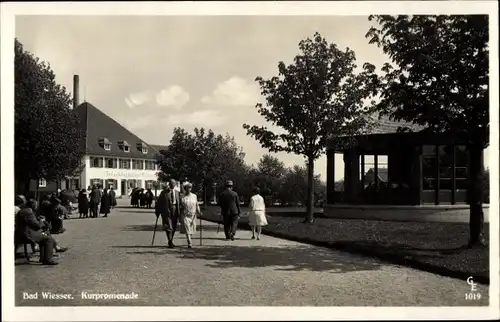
(152, 74)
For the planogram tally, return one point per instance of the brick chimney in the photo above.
(76, 91)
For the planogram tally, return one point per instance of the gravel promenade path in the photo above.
(114, 255)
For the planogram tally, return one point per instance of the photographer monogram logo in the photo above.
(473, 295)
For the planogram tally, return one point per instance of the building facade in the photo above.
(422, 168)
(114, 156)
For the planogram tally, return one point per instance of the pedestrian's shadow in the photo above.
(281, 258)
(151, 227)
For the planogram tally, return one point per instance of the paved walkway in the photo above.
(114, 255)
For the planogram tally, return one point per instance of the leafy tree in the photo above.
(46, 128)
(270, 173)
(172, 161)
(317, 98)
(203, 158)
(440, 80)
(295, 185)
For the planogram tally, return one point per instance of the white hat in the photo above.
(187, 184)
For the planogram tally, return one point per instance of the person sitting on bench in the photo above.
(29, 230)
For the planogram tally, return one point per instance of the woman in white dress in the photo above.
(189, 209)
(257, 215)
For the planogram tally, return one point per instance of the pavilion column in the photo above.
(330, 176)
(351, 176)
(416, 175)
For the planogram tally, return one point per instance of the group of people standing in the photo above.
(174, 206)
(139, 197)
(95, 201)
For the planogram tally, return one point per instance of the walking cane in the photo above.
(218, 225)
(201, 229)
(154, 232)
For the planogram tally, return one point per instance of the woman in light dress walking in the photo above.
(257, 214)
(189, 209)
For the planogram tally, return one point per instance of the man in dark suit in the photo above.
(95, 199)
(229, 203)
(29, 230)
(167, 206)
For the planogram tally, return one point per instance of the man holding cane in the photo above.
(167, 206)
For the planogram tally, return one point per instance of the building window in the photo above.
(150, 184)
(97, 182)
(111, 183)
(111, 163)
(42, 183)
(150, 165)
(461, 166)
(145, 150)
(124, 164)
(429, 165)
(445, 167)
(73, 184)
(132, 183)
(96, 162)
(367, 170)
(137, 165)
(105, 143)
(124, 145)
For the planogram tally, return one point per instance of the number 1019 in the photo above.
(472, 296)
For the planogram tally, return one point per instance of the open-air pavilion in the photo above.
(424, 171)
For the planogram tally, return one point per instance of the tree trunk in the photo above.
(310, 191)
(26, 187)
(205, 204)
(476, 194)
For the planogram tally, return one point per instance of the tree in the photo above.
(295, 185)
(270, 173)
(46, 128)
(440, 80)
(203, 158)
(319, 97)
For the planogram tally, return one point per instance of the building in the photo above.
(433, 167)
(114, 156)
(425, 174)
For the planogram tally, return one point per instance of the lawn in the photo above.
(431, 246)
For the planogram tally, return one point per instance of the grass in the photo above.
(430, 246)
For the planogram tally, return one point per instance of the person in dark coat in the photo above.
(105, 203)
(83, 204)
(168, 207)
(29, 230)
(95, 199)
(112, 195)
(45, 207)
(20, 202)
(134, 197)
(142, 198)
(149, 198)
(57, 216)
(229, 202)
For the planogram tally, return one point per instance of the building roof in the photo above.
(384, 125)
(158, 147)
(99, 127)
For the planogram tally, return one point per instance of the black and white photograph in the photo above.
(276, 160)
